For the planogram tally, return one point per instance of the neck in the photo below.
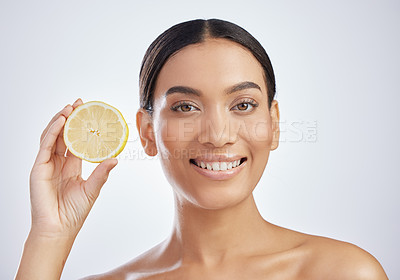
(212, 236)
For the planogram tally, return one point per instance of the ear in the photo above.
(274, 113)
(145, 128)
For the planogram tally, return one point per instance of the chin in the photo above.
(196, 188)
(213, 197)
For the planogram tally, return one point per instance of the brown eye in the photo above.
(243, 106)
(186, 108)
(246, 105)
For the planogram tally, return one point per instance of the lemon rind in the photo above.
(117, 151)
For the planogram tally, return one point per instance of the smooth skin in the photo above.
(218, 232)
(60, 202)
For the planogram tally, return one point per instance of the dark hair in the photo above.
(193, 32)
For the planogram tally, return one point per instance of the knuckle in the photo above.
(44, 146)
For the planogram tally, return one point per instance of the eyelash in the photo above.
(178, 107)
(250, 102)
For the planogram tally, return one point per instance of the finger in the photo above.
(47, 145)
(97, 179)
(66, 111)
(74, 163)
(77, 103)
(61, 148)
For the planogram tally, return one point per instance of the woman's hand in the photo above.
(60, 201)
(60, 198)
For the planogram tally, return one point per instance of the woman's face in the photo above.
(211, 123)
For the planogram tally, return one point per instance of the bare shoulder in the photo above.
(335, 259)
(140, 267)
(116, 274)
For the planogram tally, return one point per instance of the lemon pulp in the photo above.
(95, 131)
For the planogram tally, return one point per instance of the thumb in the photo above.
(98, 177)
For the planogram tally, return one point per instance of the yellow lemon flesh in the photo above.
(95, 131)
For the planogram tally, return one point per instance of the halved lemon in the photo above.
(95, 131)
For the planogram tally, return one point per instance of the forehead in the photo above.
(214, 64)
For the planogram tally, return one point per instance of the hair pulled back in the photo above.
(193, 32)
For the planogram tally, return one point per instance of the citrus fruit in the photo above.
(95, 131)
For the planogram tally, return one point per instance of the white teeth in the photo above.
(217, 166)
(223, 166)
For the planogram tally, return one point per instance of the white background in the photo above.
(335, 173)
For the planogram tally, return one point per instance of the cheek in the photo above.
(262, 132)
(258, 131)
(174, 136)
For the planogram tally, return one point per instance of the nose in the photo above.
(217, 129)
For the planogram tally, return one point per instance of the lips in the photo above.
(220, 165)
(219, 168)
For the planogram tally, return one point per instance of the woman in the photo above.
(207, 108)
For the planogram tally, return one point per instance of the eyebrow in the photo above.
(182, 89)
(242, 86)
(230, 90)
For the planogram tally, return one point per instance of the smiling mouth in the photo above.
(218, 165)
